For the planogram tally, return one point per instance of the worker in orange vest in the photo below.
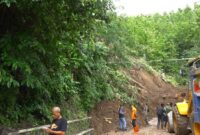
(133, 117)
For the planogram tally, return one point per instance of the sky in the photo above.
(147, 7)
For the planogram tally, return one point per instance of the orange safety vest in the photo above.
(133, 115)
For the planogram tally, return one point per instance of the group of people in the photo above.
(122, 119)
(162, 111)
(59, 124)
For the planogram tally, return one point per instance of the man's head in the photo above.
(56, 112)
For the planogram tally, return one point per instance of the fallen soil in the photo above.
(152, 89)
(105, 117)
(149, 130)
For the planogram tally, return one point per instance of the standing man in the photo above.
(134, 117)
(122, 120)
(169, 107)
(165, 118)
(145, 112)
(59, 124)
(160, 111)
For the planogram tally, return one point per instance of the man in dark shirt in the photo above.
(160, 115)
(59, 124)
(122, 120)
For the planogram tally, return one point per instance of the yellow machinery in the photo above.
(186, 114)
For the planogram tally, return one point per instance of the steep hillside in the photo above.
(152, 89)
(75, 54)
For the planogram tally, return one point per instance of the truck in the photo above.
(185, 117)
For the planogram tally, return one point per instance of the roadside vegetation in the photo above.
(71, 53)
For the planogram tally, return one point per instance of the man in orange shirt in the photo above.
(133, 117)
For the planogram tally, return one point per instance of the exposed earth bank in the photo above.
(152, 89)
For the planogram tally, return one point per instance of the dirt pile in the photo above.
(152, 89)
(105, 117)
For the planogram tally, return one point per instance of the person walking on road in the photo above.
(160, 111)
(165, 118)
(122, 119)
(168, 108)
(59, 124)
(134, 117)
(145, 112)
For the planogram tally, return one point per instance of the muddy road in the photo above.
(150, 130)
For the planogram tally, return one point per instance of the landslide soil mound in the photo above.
(152, 89)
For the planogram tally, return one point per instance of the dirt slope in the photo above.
(105, 117)
(152, 89)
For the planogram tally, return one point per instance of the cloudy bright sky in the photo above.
(137, 7)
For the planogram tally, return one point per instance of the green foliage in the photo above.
(7, 2)
(48, 54)
(72, 52)
(54, 53)
(156, 39)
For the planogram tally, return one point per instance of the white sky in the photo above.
(137, 7)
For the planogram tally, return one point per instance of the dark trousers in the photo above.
(160, 122)
(133, 123)
(165, 119)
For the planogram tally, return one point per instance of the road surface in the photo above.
(150, 130)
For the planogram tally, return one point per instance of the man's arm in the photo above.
(55, 132)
